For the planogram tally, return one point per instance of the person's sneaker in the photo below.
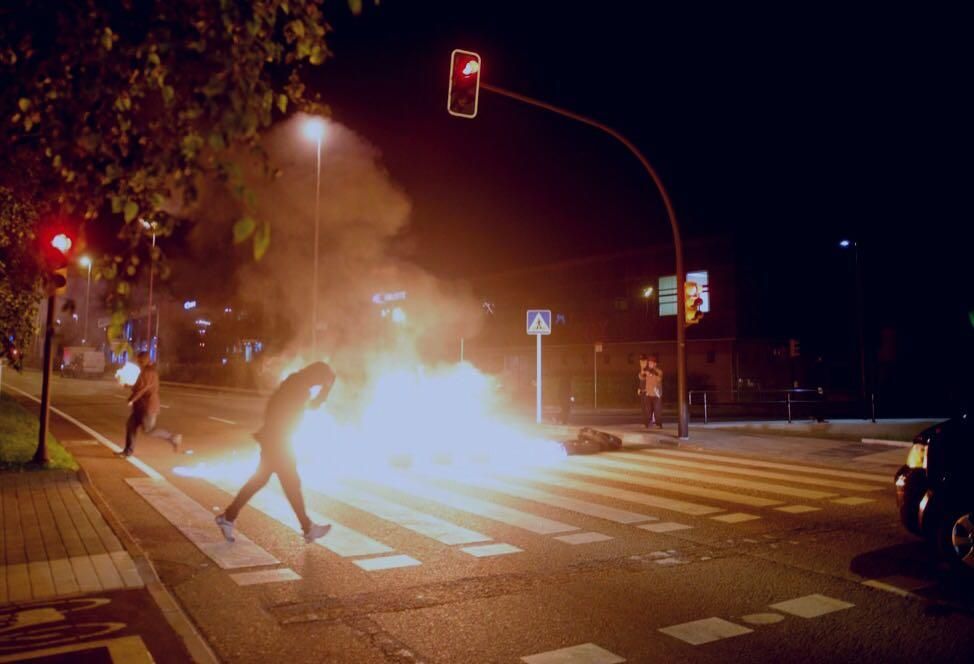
(317, 530)
(124, 454)
(176, 441)
(226, 526)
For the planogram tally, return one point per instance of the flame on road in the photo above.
(128, 374)
(441, 418)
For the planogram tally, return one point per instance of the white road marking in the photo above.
(811, 606)
(555, 500)
(890, 588)
(386, 562)
(419, 522)
(675, 487)
(586, 653)
(798, 509)
(853, 500)
(736, 517)
(340, 540)
(196, 523)
(141, 465)
(119, 396)
(220, 419)
(665, 527)
(733, 482)
(512, 517)
(164, 406)
(642, 460)
(486, 550)
(265, 576)
(872, 477)
(705, 631)
(583, 538)
(626, 495)
(763, 618)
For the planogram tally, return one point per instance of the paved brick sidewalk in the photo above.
(55, 542)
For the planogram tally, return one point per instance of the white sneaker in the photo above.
(317, 530)
(226, 526)
(176, 441)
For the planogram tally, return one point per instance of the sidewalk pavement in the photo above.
(799, 446)
(68, 585)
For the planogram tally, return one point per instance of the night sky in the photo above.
(784, 129)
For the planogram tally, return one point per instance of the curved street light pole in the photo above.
(681, 354)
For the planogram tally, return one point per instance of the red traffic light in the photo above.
(464, 91)
(62, 243)
(57, 242)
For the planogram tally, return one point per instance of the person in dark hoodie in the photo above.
(307, 388)
(145, 405)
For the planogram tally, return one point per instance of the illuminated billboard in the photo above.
(667, 292)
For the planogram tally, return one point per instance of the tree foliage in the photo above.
(20, 283)
(114, 111)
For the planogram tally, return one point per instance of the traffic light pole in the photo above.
(681, 350)
(40, 456)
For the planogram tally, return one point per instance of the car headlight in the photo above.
(917, 458)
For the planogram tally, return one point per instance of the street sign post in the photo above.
(539, 325)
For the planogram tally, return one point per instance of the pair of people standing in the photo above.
(650, 391)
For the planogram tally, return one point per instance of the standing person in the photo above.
(307, 388)
(145, 405)
(651, 391)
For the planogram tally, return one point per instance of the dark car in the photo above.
(935, 489)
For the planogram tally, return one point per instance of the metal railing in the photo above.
(812, 402)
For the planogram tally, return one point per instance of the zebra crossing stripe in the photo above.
(341, 540)
(871, 477)
(196, 523)
(675, 487)
(386, 562)
(642, 460)
(424, 524)
(487, 550)
(555, 500)
(733, 482)
(512, 517)
(661, 502)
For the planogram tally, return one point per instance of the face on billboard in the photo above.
(667, 292)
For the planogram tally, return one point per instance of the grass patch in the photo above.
(18, 440)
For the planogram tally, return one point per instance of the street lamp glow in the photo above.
(313, 129)
(85, 261)
(648, 292)
(844, 243)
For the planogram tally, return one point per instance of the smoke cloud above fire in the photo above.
(364, 222)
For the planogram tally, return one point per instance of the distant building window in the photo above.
(711, 356)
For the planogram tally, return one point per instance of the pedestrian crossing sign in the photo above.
(539, 321)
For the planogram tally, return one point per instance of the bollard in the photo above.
(788, 396)
(872, 399)
(705, 415)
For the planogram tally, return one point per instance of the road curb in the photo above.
(197, 646)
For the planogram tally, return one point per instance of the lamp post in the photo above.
(860, 317)
(314, 130)
(86, 262)
(152, 227)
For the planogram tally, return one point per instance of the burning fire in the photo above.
(406, 417)
(128, 374)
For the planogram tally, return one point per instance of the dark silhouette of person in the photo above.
(307, 388)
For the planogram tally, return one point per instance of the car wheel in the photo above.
(956, 540)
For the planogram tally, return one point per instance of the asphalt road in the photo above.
(720, 571)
